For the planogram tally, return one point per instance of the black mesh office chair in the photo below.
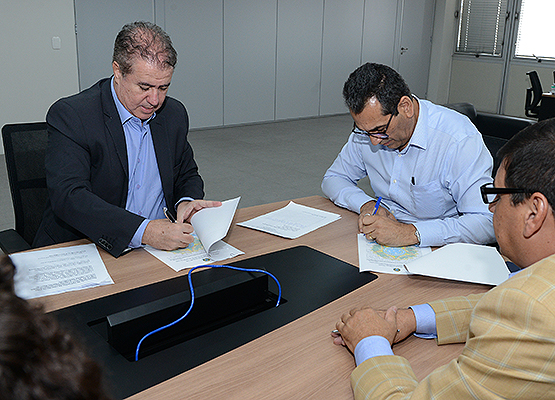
(25, 148)
(533, 95)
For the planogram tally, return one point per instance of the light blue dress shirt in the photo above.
(373, 346)
(433, 183)
(145, 196)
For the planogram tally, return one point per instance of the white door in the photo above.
(413, 49)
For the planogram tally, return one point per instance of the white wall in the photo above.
(37, 75)
(443, 44)
(34, 75)
(476, 82)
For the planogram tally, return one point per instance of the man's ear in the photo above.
(537, 209)
(116, 69)
(406, 106)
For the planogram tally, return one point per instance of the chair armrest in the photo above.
(12, 242)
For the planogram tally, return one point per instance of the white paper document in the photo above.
(390, 260)
(46, 272)
(463, 262)
(291, 221)
(211, 226)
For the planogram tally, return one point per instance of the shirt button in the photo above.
(394, 180)
(138, 186)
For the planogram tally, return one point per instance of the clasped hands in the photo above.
(384, 228)
(393, 324)
(164, 235)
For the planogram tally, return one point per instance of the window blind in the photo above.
(481, 26)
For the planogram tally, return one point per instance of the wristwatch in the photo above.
(417, 234)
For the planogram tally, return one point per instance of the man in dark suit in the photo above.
(118, 154)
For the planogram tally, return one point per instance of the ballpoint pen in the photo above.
(168, 215)
(377, 205)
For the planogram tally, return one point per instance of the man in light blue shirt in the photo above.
(508, 332)
(425, 161)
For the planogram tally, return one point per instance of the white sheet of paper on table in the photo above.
(52, 271)
(463, 262)
(292, 221)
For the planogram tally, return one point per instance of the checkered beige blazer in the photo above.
(509, 352)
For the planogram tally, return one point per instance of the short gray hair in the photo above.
(146, 40)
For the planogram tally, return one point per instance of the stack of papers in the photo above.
(291, 221)
(46, 272)
(210, 226)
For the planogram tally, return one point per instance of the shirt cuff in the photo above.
(181, 200)
(372, 346)
(357, 200)
(425, 321)
(137, 239)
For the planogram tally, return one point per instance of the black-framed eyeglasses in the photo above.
(490, 194)
(378, 133)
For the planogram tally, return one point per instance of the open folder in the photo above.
(462, 262)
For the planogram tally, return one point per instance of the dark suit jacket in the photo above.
(87, 169)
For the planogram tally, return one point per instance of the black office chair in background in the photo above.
(533, 95)
(25, 149)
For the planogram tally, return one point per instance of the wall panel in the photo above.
(196, 29)
(98, 22)
(249, 60)
(380, 20)
(299, 43)
(474, 82)
(341, 50)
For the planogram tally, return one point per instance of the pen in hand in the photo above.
(169, 215)
(377, 205)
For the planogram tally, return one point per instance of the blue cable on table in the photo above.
(193, 298)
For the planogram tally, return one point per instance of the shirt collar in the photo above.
(419, 137)
(124, 114)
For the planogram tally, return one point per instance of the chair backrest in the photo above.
(533, 95)
(25, 149)
(467, 109)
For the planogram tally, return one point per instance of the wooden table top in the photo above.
(298, 360)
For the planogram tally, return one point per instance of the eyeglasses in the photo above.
(490, 194)
(378, 133)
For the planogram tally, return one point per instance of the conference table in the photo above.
(299, 359)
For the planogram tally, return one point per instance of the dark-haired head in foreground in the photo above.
(38, 360)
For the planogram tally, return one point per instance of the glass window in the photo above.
(535, 35)
(482, 26)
